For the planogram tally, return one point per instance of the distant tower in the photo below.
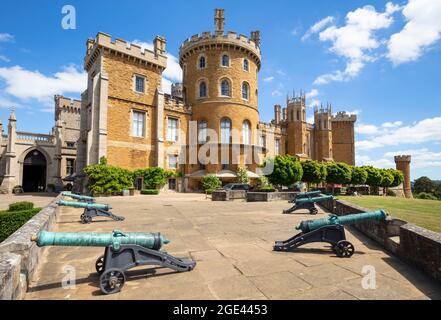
(176, 90)
(403, 163)
(343, 137)
(323, 133)
(298, 140)
(277, 114)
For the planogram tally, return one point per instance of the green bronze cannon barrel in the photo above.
(315, 199)
(91, 239)
(309, 193)
(78, 197)
(310, 225)
(84, 205)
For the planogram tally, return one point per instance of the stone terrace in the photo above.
(232, 244)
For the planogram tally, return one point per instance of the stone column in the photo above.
(402, 163)
(10, 179)
(160, 129)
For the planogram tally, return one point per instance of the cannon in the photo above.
(308, 203)
(79, 197)
(122, 252)
(308, 194)
(91, 210)
(330, 230)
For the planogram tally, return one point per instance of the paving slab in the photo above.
(232, 244)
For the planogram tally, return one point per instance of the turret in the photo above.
(343, 137)
(219, 21)
(402, 163)
(277, 113)
(323, 133)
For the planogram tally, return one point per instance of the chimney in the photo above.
(255, 36)
(277, 113)
(219, 21)
(159, 45)
(284, 114)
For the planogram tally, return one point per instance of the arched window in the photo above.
(245, 91)
(202, 62)
(202, 131)
(202, 89)
(225, 60)
(225, 88)
(246, 132)
(225, 130)
(246, 65)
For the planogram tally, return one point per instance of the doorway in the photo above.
(34, 172)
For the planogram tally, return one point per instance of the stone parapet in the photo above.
(343, 116)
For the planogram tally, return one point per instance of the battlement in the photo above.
(320, 111)
(176, 104)
(156, 57)
(343, 116)
(403, 158)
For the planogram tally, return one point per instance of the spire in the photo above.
(219, 21)
(12, 115)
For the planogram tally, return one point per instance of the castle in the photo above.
(209, 124)
(128, 119)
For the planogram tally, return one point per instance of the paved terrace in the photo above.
(232, 244)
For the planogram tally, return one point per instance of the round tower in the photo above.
(402, 163)
(220, 78)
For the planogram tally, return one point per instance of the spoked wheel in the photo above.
(344, 249)
(112, 281)
(313, 211)
(99, 265)
(86, 219)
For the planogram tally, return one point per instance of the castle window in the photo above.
(277, 147)
(246, 65)
(70, 166)
(202, 131)
(70, 144)
(298, 115)
(262, 141)
(172, 129)
(139, 84)
(173, 161)
(138, 124)
(202, 62)
(246, 132)
(225, 88)
(245, 91)
(225, 130)
(202, 89)
(225, 60)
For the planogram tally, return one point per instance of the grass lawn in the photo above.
(423, 213)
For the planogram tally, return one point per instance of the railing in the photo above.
(35, 137)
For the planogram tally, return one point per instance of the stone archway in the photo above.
(34, 171)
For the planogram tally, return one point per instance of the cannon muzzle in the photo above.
(114, 239)
(309, 193)
(78, 197)
(315, 199)
(85, 205)
(310, 225)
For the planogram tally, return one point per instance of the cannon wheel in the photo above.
(112, 281)
(313, 211)
(99, 264)
(85, 218)
(344, 249)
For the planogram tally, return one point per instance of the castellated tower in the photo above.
(298, 135)
(323, 133)
(402, 163)
(220, 84)
(343, 137)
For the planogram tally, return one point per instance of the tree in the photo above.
(210, 183)
(287, 170)
(154, 177)
(423, 184)
(338, 173)
(398, 177)
(374, 176)
(242, 175)
(359, 175)
(387, 179)
(313, 172)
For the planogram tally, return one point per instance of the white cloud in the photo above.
(423, 28)
(313, 93)
(318, 26)
(367, 129)
(281, 72)
(268, 79)
(427, 130)
(364, 160)
(421, 158)
(392, 124)
(26, 84)
(276, 93)
(355, 40)
(173, 72)
(4, 58)
(6, 37)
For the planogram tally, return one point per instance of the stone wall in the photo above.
(417, 246)
(224, 195)
(19, 256)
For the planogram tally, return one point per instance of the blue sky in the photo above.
(378, 59)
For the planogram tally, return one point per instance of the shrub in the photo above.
(211, 182)
(426, 196)
(242, 175)
(154, 177)
(263, 184)
(149, 191)
(391, 193)
(108, 180)
(11, 221)
(20, 206)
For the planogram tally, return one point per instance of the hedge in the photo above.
(149, 191)
(11, 221)
(20, 206)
